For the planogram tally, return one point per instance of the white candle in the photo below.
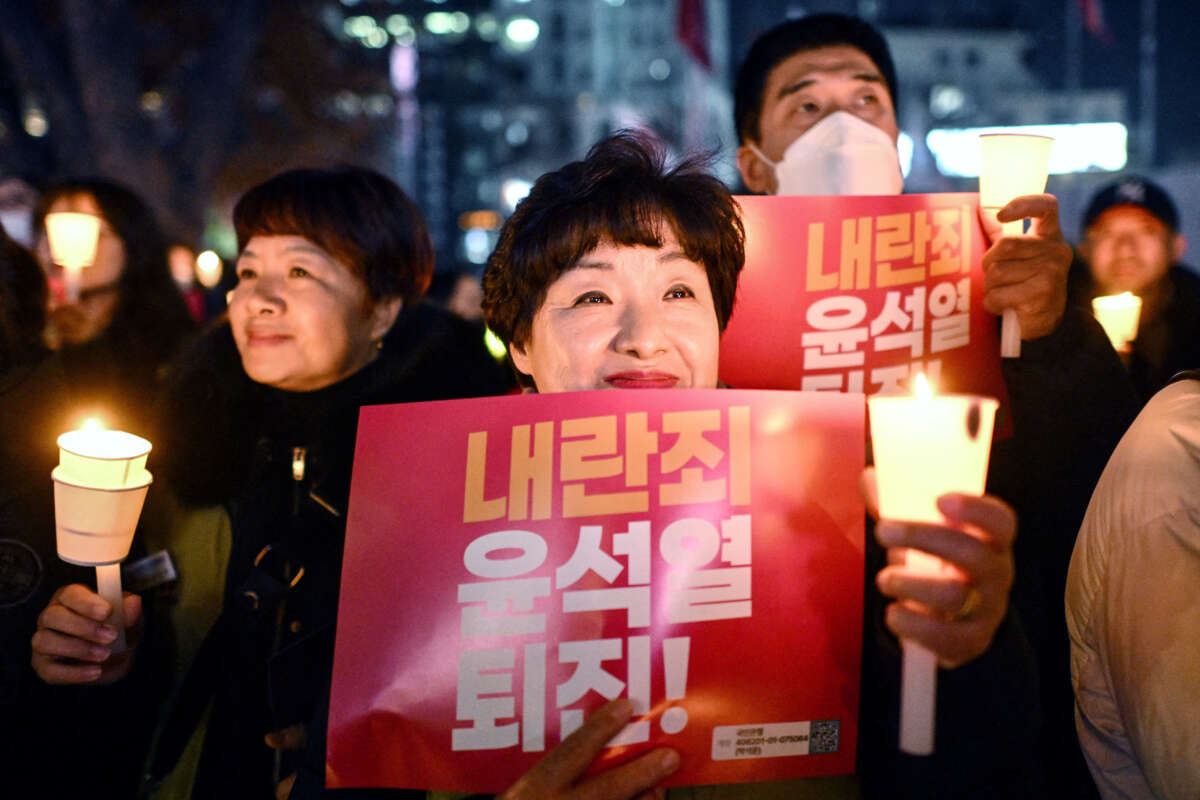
(926, 445)
(208, 269)
(1011, 165)
(1118, 314)
(100, 484)
(72, 238)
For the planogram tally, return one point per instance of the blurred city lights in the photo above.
(36, 124)
(378, 105)
(359, 27)
(517, 133)
(477, 245)
(513, 191)
(484, 219)
(347, 103)
(403, 67)
(442, 23)
(151, 101)
(487, 27)
(904, 148)
(376, 39)
(521, 33)
(945, 100)
(491, 119)
(1080, 147)
(397, 24)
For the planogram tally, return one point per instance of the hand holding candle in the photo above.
(926, 446)
(73, 238)
(100, 484)
(1011, 165)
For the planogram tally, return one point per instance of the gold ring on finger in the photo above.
(971, 604)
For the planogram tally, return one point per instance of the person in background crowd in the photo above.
(47, 739)
(28, 384)
(17, 200)
(814, 108)
(1133, 608)
(181, 261)
(129, 319)
(326, 317)
(1131, 243)
(617, 273)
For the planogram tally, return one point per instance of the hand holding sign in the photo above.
(1027, 274)
(556, 775)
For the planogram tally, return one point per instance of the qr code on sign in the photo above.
(823, 736)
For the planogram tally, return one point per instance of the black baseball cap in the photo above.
(1133, 191)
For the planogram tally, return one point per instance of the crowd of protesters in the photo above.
(617, 264)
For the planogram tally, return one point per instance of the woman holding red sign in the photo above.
(615, 273)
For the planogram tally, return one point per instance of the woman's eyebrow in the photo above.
(592, 265)
(311, 249)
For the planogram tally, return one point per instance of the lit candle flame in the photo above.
(92, 424)
(208, 269)
(922, 387)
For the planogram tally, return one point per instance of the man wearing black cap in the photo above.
(1131, 243)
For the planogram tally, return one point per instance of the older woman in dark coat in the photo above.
(325, 318)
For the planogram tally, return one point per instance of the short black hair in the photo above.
(795, 36)
(621, 193)
(357, 215)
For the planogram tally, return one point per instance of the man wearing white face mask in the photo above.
(814, 106)
(840, 154)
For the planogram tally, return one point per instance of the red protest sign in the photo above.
(858, 293)
(512, 562)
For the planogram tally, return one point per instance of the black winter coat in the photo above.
(281, 463)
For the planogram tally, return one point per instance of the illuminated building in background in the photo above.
(956, 84)
(490, 94)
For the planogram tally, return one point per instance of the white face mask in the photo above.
(18, 224)
(841, 154)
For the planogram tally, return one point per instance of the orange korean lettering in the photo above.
(640, 444)
(856, 254)
(921, 233)
(951, 243)
(893, 242)
(739, 455)
(475, 507)
(589, 451)
(815, 277)
(531, 471)
(691, 444)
